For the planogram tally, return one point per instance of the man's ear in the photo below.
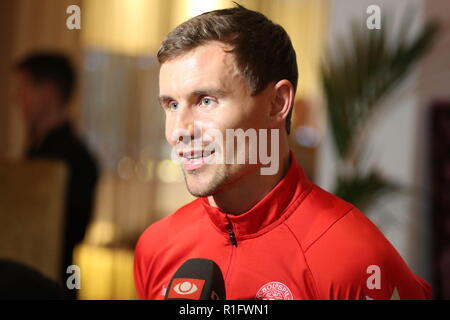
(282, 102)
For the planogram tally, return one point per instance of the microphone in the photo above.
(197, 279)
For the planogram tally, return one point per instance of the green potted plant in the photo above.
(354, 81)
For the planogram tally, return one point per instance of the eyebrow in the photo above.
(209, 92)
(163, 99)
(199, 92)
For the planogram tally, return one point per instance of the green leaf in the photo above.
(368, 66)
(363, 190)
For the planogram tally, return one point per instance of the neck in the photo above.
(45, 124)
(251, 188)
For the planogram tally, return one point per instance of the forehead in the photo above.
(209, 65)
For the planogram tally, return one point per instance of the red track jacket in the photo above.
(298, 242)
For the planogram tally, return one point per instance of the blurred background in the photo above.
(371, 124)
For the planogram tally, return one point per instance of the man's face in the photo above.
(204, 85)
(30, 97)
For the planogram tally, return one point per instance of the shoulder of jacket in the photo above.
(324, 222)
(173, 223)
(315, 215)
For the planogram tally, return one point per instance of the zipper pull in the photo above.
(232, 236)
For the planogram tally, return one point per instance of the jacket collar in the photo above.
(273, 209)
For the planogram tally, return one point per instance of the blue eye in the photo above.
(173, 105)
(207, 101)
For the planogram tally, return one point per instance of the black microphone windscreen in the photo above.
(197, 279)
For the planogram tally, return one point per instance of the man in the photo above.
(44, 84)
(274, 236)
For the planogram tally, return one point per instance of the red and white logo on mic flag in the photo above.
(183, 288)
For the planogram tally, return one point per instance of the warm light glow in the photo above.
(186, 9)
(101, 233)
(169, 172)
(129, 27)
(137, 27)
(196, 7)
(106, 273)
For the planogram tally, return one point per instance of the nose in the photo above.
(185, 128)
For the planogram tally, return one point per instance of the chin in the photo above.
(199, 188)
(199, 193)
(203, 184)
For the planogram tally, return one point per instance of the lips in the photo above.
(194, 159)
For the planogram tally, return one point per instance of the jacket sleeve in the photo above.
(140, 269)
(147, 261)
(353, 260)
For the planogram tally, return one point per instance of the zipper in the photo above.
(233, 241)
(232, 236)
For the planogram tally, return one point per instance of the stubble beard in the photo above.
(219, 179)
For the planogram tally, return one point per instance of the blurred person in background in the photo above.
(44, 84)
(21, 282)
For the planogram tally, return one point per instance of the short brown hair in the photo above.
(262, 49)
